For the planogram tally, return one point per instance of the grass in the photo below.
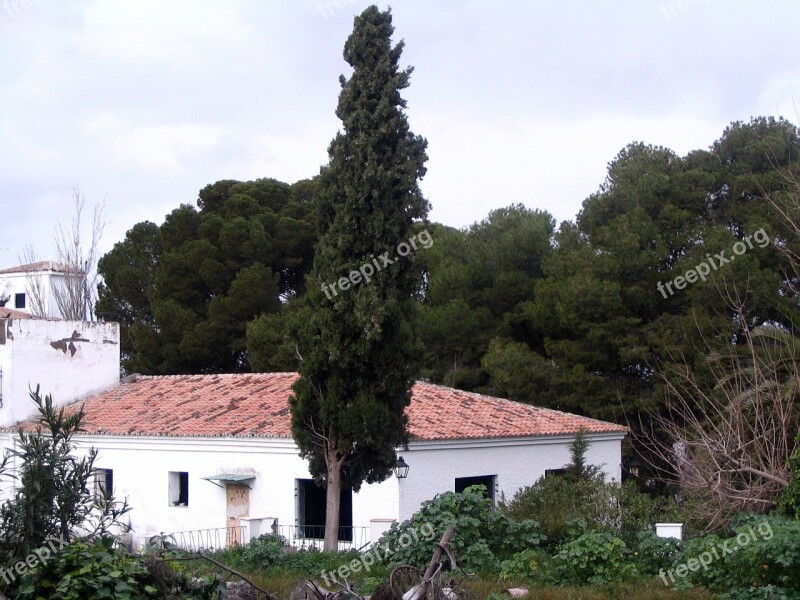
(653, 590)
(281, 581)
(282, 578)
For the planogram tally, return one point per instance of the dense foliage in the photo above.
(561, 505)
(759, 559)
(357, 345)
(185, 291)
(571, 318)
(482, 535)
(98, 569)
(55, 500)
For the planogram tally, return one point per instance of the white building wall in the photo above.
(19, 283)
(514, 462)
(68, 359)
(141, 466)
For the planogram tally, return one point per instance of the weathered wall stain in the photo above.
(68, 344)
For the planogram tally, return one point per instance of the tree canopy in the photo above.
(185, 291)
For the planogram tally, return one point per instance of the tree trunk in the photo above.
(333, 499)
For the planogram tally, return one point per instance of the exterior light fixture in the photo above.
(401, 468)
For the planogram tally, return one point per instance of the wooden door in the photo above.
(237, 506)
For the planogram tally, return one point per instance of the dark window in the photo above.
(19, 300)
(554, 472)
(104, 482)
(178, 488)
(488, 481)
(311, 500)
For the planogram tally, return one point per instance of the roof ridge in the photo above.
(204, 375)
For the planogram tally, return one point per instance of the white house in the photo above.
(213, 455)
(68, 359)
(32, 287)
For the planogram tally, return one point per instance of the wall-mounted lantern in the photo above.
(401, 468)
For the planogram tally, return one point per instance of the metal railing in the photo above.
(297, 536)
(313, 536)
(209, 539)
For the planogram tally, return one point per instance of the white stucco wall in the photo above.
(141, 466)
(19, 283)
(68, 359)
(516, 462)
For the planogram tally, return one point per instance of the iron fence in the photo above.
(209, 539)
(313, 536)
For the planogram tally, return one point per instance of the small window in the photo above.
(178, 488)
(104, 482)
(487, 481)
(19, 300)
(554, 472)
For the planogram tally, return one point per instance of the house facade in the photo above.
(70, 360)
(33, 287)
(211, 457)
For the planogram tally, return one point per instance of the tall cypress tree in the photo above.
(356, 342)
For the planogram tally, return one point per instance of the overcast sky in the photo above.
(144, 102)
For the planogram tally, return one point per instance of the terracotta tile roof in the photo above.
(437, 413)
(257, 405)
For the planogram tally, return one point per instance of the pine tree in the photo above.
(356, 342)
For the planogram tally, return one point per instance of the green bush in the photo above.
(557, 503)
(84, 571)
(531, 565)
(595, 558)
(265, 551)
(53, 495)
(95, 570)
(652, 554)
(482, 537)
(762, 553)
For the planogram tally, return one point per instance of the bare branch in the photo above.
(78, 294)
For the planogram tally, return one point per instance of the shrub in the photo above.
(558, 503)
(653, 553)
(763, 553)
(531, 565)
(85, 570)
(96, 569)
(265, 551)
(482, 536)
(596, 558)
(54, 496)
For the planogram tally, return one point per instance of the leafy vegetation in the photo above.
(582, 500)
(55, 499)
(357, 346)
(482, 538)
(184, 292)
(760, 554)
(89, 570)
